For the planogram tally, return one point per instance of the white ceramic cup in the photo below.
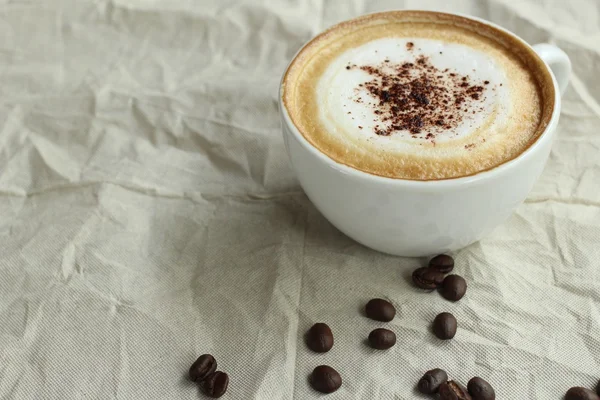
(421, 218)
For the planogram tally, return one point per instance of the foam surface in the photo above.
(334, 97)
(339, 89)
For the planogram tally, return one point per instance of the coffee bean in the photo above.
(480, 389)
(444, 326)
(325, 379)
(203, 367)
(216, 384)
(427, 278)
(598, 388)
(443, 263)
(431, 381)
(452, 390)
(380, 310)
(319, 338)
(453, 287)
(579, 393)
(382, 339)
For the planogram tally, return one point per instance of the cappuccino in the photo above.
(418, 95)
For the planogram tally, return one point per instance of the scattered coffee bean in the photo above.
(427, 278)
(216, 384)
(382, 339)
(579, 393)
(325, 379)
(431, 381)
(480, 389)
(203, 367)
(452, 390)
(443, 263)
(319, 338)
(444, 326)
(453, 287)
(380, 310)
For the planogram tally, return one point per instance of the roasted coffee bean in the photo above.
(443, 263)
(216, 384)
(380, 310)
(452, 390)
(480, 389)
(431, 381)
(319, 338)
(598, 388)
(427, 278)
(382, 339)
(203, 367)
(579, 393)
(444, 326)
(453, 287)
(325, 379)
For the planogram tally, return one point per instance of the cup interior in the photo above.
(550, 95)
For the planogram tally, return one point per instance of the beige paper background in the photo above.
(148, 214)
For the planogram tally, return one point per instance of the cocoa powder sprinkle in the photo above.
(417, 96)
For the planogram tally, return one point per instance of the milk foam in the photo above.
(464, 98)
(348, 119)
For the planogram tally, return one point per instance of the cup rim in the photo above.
(438, 183)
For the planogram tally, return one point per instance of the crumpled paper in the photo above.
(148, 214)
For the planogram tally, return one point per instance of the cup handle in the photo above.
(558, 61)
